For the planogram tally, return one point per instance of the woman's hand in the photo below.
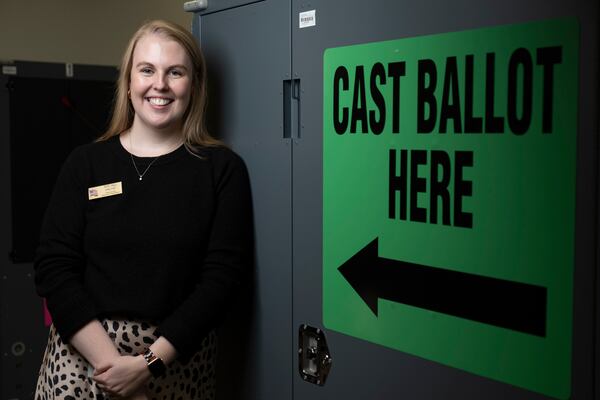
(122, 376)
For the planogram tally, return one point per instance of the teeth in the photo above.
(158, 101)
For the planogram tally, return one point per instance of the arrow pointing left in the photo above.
(507, 304)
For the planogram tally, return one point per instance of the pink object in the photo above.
(47, 316)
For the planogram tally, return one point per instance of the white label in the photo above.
(9, 69)
(69, 70)
(307, 18)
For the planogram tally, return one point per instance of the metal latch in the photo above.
(195, 6)
(313, 355)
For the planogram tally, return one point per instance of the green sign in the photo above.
(448, 198)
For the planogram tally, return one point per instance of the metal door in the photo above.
(247, 48)
(371, 368)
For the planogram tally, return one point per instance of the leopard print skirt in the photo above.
(65, 374)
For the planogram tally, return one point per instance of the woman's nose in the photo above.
(160, 82)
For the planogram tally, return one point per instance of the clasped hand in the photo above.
(123, 376)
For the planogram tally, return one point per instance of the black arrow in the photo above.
(507, 304)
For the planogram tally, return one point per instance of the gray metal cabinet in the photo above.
(268, 85)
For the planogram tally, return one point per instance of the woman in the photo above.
(147, 235)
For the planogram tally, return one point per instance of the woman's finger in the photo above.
(101, 379)
(102, 368)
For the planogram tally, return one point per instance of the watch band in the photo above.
(155, 364)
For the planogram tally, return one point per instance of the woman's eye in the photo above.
(146, 71)
(176, 72)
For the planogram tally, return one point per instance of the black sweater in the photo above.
(171, 248)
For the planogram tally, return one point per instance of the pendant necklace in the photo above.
(141, 176)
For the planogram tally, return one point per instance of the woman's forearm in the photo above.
(164, 350)
(94, 344)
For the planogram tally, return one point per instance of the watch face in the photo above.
(157, 367)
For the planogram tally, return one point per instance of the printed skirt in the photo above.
(65, 374)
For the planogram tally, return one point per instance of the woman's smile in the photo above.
(159, 101)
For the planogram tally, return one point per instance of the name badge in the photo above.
(110, 189)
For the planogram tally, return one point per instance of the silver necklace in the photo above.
(133, 161)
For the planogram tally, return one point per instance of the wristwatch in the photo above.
(155, 365)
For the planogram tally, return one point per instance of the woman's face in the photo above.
(161, 83)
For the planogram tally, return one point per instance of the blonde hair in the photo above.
(194, 127)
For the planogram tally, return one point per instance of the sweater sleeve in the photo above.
(59, 262)
(227, 262)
